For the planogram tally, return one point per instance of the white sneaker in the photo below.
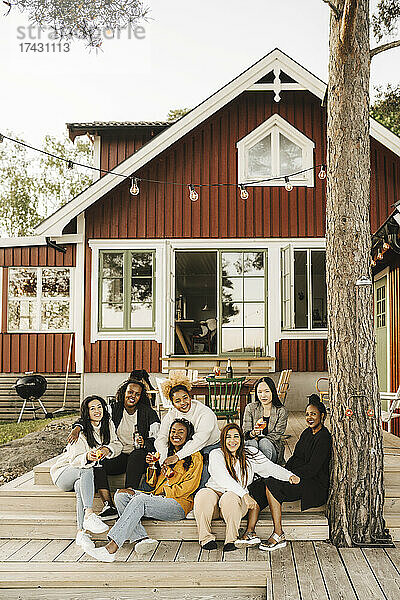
(190, 515)
(94, 524)
(146, 546)
(101, 554)
(83, 540)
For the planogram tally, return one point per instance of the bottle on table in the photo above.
(229, 370)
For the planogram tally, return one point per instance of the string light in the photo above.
(288, 185)
(193, 195)
(244, 194)
(379, 256)
(134, 189)
(386, 246)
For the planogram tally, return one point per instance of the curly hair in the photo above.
(87, 424)
(177, 380)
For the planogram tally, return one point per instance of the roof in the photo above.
(54, 224)
(76, 129)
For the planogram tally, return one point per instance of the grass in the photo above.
(12, 431)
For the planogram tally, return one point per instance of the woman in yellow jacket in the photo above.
(171, 497)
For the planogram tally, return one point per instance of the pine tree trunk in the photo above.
(355, 506)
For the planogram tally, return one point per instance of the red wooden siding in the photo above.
(301, 355)
(39, 352)
(208, 154)
(385, 183)
(117, 145)
(112, 356)
(394, 304)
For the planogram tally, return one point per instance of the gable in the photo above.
(276, 61)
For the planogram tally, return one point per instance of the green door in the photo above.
(380, 301)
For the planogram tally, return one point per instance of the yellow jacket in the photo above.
(182, 485)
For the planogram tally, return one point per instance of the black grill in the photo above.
(31, 388)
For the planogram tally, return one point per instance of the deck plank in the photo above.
(188, 552)
(384, 571)
(254, 554)
(212, 555)
(283, 574)
(334, 573)
(308, 572)
(238, 555)
(51, 551)
(360, 574)
(72, 553)
(11, 547)
(166, 552)
(28, 551)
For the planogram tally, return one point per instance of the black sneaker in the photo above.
(108, 513)
(229, 547)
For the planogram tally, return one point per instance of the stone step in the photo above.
(62, 525)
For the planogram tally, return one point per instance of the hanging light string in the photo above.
(134, 189)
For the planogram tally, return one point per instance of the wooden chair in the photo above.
(393, 400)
(323, 391)
(223, 396)
(283, 385)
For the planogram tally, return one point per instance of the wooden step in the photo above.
(130, 575)
(62, 525)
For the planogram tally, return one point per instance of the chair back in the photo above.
(166, 403)
(283, 385)
(393, 399)
(323, 389)
(224, 395)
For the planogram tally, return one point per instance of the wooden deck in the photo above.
(301, 571)
(39, 560)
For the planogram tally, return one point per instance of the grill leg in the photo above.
(42, 407)
(22, 412)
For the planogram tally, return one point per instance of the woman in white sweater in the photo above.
(232, 468)
(73, 470)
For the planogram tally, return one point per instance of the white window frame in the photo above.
(274, 126)
(39, 271)
(157, 246)
(287, 266)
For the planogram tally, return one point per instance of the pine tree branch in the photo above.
(384, 47)
(333, 7)
(347, 26)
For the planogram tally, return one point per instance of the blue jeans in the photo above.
(265, 446)
(131, 509)
(205, 475)
(82, 481)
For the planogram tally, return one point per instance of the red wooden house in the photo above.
(156, 280)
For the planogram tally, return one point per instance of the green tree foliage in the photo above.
(385, 20)
(386, 108)
(33, 185)
(67, 19)
(177, 113)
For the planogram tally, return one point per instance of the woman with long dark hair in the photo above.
(74, 468)
(232, 469)
(137, 424)
(310, 462)
(170, 499)
(265, 421)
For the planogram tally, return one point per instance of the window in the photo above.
(381, 306)
(303, 284)
(39, 299)
(243, 301)
(126, 298)
(275, 149)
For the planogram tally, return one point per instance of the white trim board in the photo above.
(276, 59)
(40, 240)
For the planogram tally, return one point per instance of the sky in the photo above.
(188, 50)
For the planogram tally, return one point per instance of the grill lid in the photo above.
(31, 386)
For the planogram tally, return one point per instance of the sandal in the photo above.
(279, 542)
(250, 538)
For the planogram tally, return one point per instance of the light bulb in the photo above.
(322, 173)
(386, 246)
(288, 185)
(244, 194)
(193, 195)
(70, 164)
(134, 189)
(1, 138)
(373, 263)
(379, 256)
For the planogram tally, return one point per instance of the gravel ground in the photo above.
(21, 455)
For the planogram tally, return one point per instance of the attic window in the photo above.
(275, 149)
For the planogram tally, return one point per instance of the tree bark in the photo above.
(355, 506)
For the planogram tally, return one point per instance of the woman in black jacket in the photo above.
(310, 461)
(137, 425)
